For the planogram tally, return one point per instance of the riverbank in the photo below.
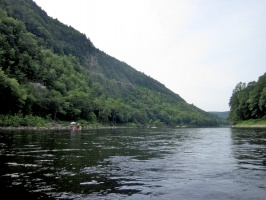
(248, 126)
(59, 127)
(63, 127)
(252, 123)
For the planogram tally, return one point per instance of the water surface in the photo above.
(162, 163)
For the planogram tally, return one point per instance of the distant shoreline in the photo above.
(248, 126)
(59, 127)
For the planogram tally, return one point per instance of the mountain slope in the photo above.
(223, 115)
(53, 71)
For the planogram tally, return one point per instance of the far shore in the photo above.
(248, 126)
(63, 127)
(59, 127)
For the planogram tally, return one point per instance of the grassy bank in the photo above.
(251, 123)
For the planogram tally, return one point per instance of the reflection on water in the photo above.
(250, 152)
(157, 163)
(250, 148)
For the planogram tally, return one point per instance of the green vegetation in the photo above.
(251, 123)
(51, 72)
(222, 117)
(20, 120)
(248, 102)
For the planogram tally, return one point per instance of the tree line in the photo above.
(248, 101)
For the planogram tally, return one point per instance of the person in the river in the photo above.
(78, 127)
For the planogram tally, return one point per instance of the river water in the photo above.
(159, 163)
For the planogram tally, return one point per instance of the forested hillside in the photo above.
(53, 71)
(223, 115)
(248, 101)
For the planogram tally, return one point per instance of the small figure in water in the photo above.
(76, 128)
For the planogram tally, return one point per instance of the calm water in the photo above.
(207, 163)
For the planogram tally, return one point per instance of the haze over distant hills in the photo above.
(223, 115)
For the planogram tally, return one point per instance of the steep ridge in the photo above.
(79, 81)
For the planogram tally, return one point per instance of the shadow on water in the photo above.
(133, 164)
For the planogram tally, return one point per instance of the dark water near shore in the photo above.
(200, 163)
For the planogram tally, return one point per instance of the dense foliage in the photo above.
(54, 72)
(248, 101)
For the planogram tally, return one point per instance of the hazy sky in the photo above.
(199, 49)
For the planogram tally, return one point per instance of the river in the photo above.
(155, 163)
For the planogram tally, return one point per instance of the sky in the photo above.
(199, 49)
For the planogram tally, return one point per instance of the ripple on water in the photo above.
(137, 164)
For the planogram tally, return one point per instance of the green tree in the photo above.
(13, 95)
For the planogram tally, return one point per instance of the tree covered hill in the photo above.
(223, 115)
(53, 71)
(248, 101)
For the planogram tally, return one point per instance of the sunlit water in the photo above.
(181, 163)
